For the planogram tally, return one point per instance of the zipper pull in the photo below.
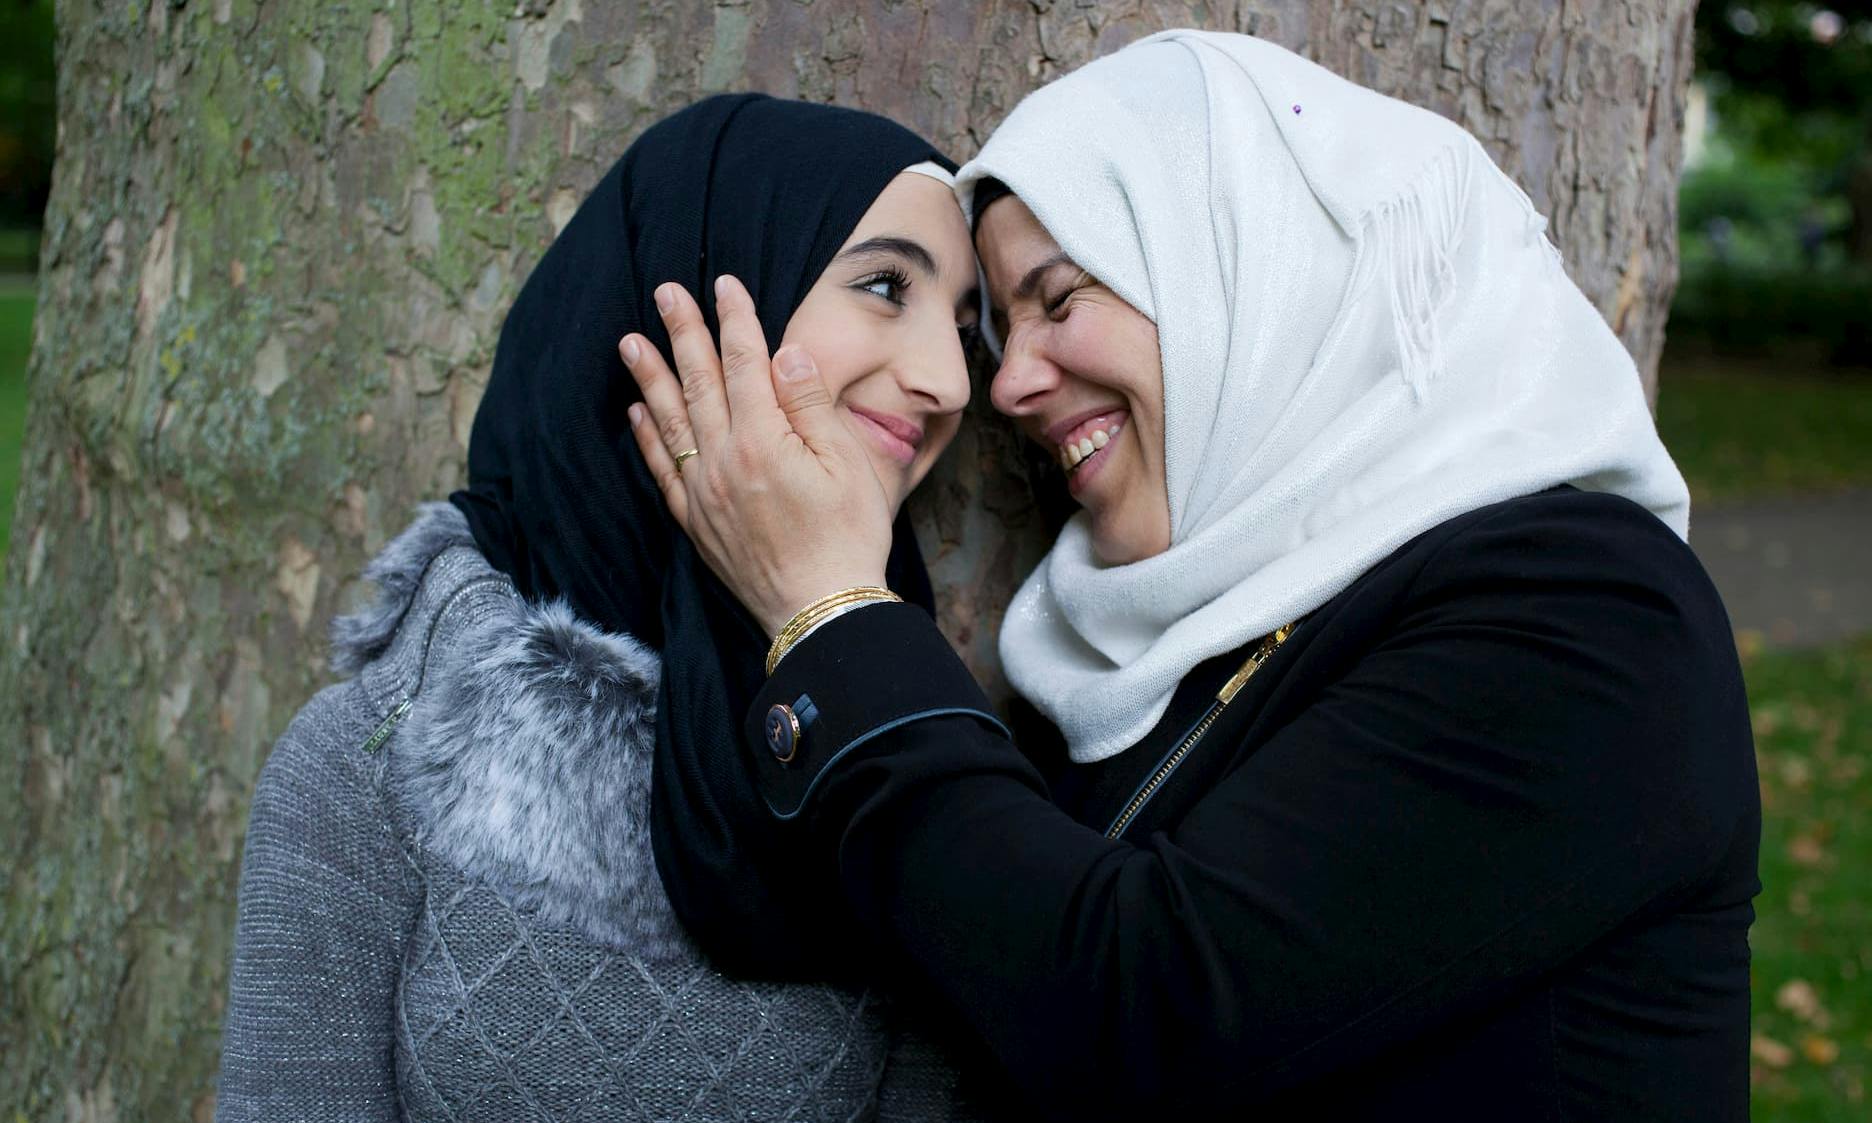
(389, 725)
(1268, 646)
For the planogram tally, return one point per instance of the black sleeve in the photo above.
(1549, 742)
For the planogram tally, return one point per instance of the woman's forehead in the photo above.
(1013, 245)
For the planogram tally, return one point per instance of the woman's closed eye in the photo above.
(1055, 305)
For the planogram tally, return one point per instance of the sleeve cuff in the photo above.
(859, 676)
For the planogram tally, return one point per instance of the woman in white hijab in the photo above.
(1406, 767)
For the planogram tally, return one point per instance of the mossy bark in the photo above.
(281, 238)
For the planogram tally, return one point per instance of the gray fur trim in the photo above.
(361, 636)
(526, 761)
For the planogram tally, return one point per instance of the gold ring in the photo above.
(682, 456)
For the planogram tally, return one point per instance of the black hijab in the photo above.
(558, 496)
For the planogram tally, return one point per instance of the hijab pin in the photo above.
(1296, 109)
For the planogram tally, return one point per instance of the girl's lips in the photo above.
(893, 446)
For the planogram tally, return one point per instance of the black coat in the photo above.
(1478, 842)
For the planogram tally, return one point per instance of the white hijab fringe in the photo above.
(1413, 239)
(1364, 333)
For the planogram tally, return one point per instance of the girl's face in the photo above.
(887, 323)
(1081, 374)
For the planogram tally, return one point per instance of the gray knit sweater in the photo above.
(449, 909)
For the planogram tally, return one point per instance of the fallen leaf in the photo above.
(1820, 1050)
(1770, 1052)
(1798, 997)
(1805, 850)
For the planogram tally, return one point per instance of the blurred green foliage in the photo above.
(1819, 313)
(28, 108)
(16, 314)
(1776, 213)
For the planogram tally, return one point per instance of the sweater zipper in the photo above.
(389, 725)
(1267, 647)
(375, 740)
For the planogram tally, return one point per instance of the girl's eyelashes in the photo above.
(970, 334)
(889, 284)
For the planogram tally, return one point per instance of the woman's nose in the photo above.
(939, 374)
(1021, 384)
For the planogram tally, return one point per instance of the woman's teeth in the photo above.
(1073, 455)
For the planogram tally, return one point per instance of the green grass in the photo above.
(1812, 977)
(18, 248)
(1744, 429)
(16, 312)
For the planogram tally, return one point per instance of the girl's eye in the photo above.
(890, 285)
(971, 335)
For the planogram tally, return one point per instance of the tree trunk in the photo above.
(280, 242)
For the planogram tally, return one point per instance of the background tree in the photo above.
(1777, 203)
(280, 239)
(27, 125)
(1793, 84)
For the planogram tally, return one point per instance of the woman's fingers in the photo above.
(662, 465)
(802, 396)
(661, 422)
(697, 365)
(669, 411)
(745, 365)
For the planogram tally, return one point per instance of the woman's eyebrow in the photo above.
(1031, 282)
(891, 245)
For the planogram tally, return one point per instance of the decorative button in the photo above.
(783, 732)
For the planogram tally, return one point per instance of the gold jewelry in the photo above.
(684, 455)
(818, 612)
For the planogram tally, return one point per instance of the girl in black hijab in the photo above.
(449, 905)
(558, 497)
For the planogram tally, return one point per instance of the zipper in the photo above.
(1269, 644)
(389, 726)
(375, 740)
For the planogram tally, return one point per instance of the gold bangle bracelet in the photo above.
(802, 626)
(815, 613)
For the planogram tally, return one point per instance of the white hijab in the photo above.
(1364, 333)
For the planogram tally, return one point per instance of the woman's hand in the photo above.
(779, 499)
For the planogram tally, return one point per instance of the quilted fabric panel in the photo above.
(503, 1019)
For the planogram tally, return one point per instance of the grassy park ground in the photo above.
(1740, 431)
(1748, 428)
(1750, 431)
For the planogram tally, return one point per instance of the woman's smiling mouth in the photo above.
(899, 439)
(1080, 442)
